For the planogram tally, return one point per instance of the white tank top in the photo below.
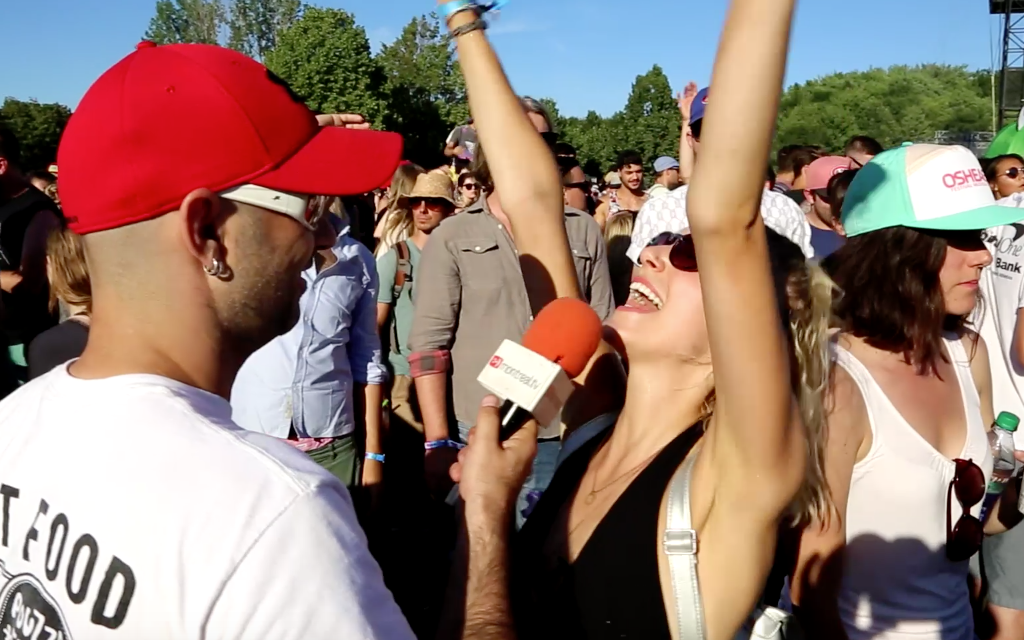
(897, 582)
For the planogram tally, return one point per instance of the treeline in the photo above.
(413, 85)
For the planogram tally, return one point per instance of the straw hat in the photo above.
(431, 185)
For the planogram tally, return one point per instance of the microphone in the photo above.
(535, 378)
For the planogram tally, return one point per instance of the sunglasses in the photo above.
(964, 538)
(1014, 172)
(683, 255)
(470, 186)
(432, 203)
(304, 209)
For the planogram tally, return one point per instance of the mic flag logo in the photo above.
(496, 362)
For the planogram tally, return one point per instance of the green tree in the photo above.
(651, 122)
(187, 21)
(893, 105)
(597, 140)
(325, 57)
(254, 25)
(38, 128)
(424, 89)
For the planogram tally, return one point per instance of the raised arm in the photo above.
(686, 155)
(524, 172)
(757, 431)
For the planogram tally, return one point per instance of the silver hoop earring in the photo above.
(215, 270)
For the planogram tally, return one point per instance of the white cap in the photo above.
(668, 214)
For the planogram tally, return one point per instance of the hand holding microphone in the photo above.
(535, 379)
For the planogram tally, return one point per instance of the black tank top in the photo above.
(612, 590)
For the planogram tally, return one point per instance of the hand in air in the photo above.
(685, 100)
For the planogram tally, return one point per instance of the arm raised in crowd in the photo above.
(522, 167)
(756, 431)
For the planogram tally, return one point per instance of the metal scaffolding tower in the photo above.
(1011, 76)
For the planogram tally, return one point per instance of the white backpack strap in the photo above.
(680, 545)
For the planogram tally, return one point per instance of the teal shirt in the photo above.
(387, 270)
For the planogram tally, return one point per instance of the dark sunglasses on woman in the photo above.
(683, 255)
(1014, 172)
(964, 538)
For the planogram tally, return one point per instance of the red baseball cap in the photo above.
(819, 172)
(167, 120)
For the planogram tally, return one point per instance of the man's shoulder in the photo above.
(580, 224)
(181, 422)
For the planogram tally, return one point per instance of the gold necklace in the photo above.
(593, 485)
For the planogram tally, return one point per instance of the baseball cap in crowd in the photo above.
(923, 186)
(700, 103)
(819, 172)
(664, 163)
(612, 179)
(167, 120)
(667, 214)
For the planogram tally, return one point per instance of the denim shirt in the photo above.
(305, 378)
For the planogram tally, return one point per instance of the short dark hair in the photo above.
(9, 146)
(695, 128)
(564, 149)
(466, 175)
(627, 158)
(864, 144)
(838, 185)
(889, 293)
(769, 177)
(800, 158)
(783, 157)
(991, 165)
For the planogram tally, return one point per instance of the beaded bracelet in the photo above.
(477, 25)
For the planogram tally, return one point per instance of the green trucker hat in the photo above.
(923, 186)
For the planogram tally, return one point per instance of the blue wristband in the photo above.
(449, 9)
(430, 445)
(379, 457)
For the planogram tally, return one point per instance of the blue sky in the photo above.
(583, 53)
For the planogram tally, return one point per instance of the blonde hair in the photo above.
(618, 232)
(806, 309)
(809, 292)
(69, 275)
(398, 220)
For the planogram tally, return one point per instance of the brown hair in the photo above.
(838, 185)
(890, 295)
(69, 275)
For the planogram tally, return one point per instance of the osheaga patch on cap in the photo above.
(945, 181)
(922, 186)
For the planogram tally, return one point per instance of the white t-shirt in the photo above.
(132, 507)
(1002, 286)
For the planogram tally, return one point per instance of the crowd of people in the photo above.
(242, 342)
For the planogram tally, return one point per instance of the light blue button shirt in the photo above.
(305, 378)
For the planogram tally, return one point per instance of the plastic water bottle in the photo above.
(1000, 438)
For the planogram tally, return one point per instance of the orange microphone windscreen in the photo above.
(567, 332)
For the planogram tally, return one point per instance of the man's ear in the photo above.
(202, 216)
(5, 166)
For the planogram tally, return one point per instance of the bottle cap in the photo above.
(1007, 421)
